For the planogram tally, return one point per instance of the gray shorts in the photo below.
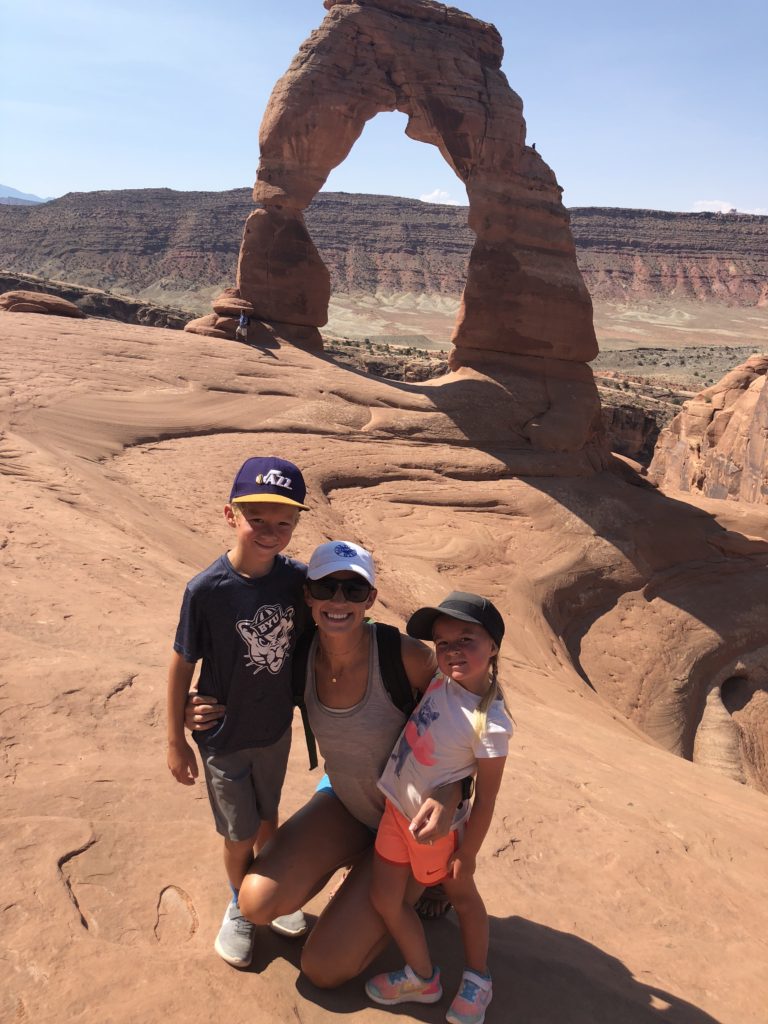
(244, 788)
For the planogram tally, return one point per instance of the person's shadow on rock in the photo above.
(540, 976)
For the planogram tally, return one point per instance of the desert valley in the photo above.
(442, 390)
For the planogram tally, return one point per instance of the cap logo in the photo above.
(344, 551)
(275, 479)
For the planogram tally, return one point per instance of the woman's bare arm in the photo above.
(419, 662)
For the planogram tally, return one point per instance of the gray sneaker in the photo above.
(292, 925)
(234, 943)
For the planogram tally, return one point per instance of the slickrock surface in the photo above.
(718, 445)
(624, 883)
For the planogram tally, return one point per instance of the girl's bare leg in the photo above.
(300, 858)
(388, 890)
(473, 918)
(349, 933)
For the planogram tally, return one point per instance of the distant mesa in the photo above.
(39, 302)
(158, 246)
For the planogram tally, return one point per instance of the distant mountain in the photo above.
(180, 248)
(12, 197)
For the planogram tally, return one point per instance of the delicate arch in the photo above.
(524, 293)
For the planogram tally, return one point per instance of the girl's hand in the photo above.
(462, 866)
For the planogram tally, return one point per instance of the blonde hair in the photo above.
(494, 692)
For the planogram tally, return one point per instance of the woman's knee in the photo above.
(257, 899)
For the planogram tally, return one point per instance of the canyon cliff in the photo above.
(181, 248)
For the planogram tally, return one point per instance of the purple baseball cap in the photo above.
(269, 479)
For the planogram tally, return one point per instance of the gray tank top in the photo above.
(356, 742)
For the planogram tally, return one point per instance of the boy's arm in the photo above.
(181, 756)
(487, 783)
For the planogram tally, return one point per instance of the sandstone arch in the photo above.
(524, 294)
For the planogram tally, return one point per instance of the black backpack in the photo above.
(393, 675)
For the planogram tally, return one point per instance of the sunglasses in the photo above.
(356, 591)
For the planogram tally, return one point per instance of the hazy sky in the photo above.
(661, 104)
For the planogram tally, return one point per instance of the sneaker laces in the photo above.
(241, 923)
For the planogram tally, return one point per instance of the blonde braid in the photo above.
(480, 715)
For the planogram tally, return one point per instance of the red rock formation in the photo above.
(525, 310)
(38, 302)
(718, 445)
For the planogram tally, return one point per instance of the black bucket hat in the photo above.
(458, 605)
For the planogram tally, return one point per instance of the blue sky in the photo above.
(659, 105)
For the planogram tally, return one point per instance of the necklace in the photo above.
(343, 654)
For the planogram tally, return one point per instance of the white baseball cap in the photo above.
(340, 555)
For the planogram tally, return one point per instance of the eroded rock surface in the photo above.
(613, 595)
(22, 301)
(718, 445)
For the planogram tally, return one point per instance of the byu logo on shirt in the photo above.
(267, 637)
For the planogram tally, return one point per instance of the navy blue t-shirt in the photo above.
(245, 631)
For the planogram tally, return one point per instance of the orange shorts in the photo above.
(395, 843)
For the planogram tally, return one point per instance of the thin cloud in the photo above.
(723, 206)
(440, 196)
(712, 206)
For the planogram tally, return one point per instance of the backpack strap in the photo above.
(298, 685)
(393, 674)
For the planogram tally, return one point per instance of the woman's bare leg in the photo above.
(300, 858)
(349, 933)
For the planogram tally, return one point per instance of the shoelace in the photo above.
(242, 924)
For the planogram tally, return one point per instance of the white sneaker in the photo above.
(292, 925)
(234, 943)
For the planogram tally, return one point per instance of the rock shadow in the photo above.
(540, 976)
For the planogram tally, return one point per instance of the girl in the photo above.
(460, 727)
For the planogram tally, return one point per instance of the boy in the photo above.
(241, 616)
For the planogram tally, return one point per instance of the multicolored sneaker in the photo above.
(404, 986)
(234, 943)
(472, 999)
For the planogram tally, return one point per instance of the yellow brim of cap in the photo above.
(276, 499)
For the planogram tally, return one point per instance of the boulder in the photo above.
(263, 334)
(39, 302)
